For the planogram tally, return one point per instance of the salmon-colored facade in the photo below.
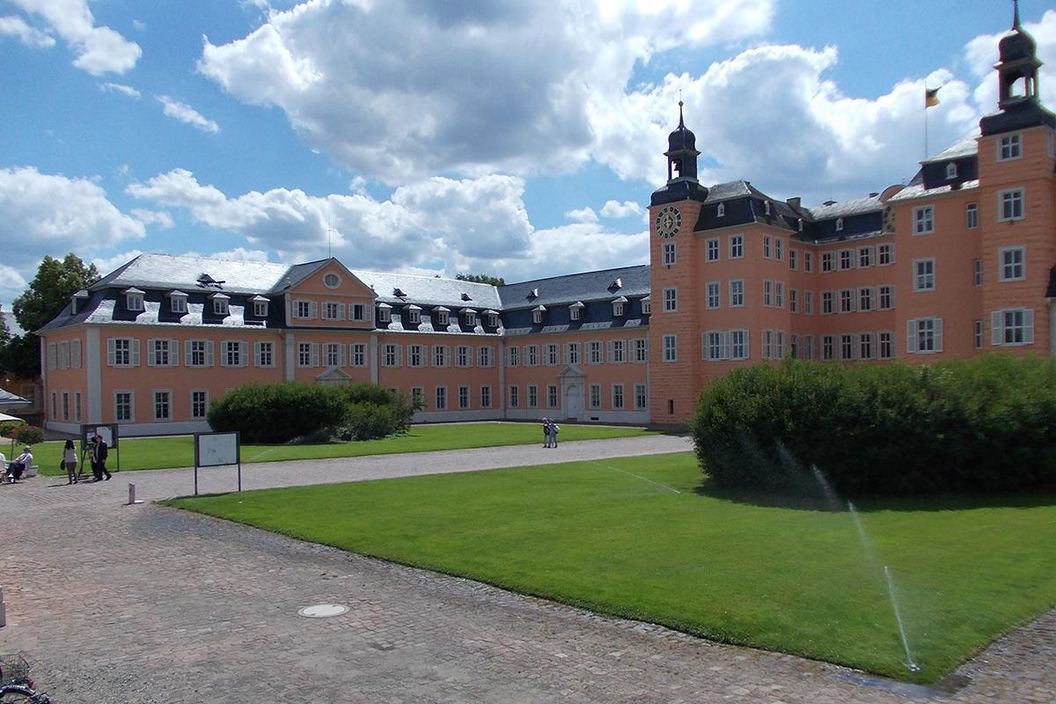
(957, 263)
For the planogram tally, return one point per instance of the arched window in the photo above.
(720, 211)
(951, 170)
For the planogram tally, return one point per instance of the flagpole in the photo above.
(925, 124)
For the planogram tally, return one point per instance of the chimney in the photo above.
(794, 202)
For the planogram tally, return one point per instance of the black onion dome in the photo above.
(1016, 45)
(681, 138)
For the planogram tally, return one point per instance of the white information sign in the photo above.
(216, 449)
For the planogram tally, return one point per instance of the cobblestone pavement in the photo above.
(141, 604)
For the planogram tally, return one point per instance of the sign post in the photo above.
(217, 450)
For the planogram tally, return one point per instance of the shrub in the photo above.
(277, 413)
(25, 434)
(967, 425)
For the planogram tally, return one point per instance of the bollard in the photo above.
(132, 501)
(3, 609)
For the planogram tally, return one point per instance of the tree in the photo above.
(47, 295)
(482, 279)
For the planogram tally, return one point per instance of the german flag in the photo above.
(931, 97)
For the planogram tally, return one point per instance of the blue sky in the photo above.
(517, 138)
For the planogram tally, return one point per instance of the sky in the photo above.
(519, 138)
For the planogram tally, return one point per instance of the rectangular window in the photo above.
(463, 397)
(1010, 147)
(768, 286)
(572, 352)
(847, 300)
(617, 396)
(531, 356)
(736, 293)
(305, 358)
(978, 334)
(390, 356)
(713, 294)
(808, 262)
(887, 297)
(1013, 263)
(265, 354)
(923, 220)
(793, 256)
(514, 396)
(178, 304)
(594, 352)
(260, 309)
(887, 345)
(715, 345)
(739, 344)
(736, 246)
(335, 354)
(713, 250)
(161, 353)
(827, 305)
(846, 347)
(808, 302)
(333, 311)
(828, 261)
(162, 406)
(1014, 326)
(464, 356)
(122, 352)
(77, 406)
(617, 351)
(65, 405)
(846, 259)
(924, 274)
(808, 347)
(123, 406)
(358, 354)
(357, 311)
(551, 396)
(595, 395)
(866, 348)
(1010, 205)
(865, 257)
(440, 356)
(441, 398)
(865, 299)
(977, 276)
(779, 249)
(670, 300)
(485, 396)
(641, 350)
(418, 397)
(199, 404)
(533, 396)
(779, 294)
(828, 351)
(552, 355)
(233, 353)
(484, 356)
(670, 348)
(302, 309)
(766, 247)
(641, 397)
(669, 254)
(924, 335)
(793, 299)
(971, 216)
(414, 356)
(885, 254)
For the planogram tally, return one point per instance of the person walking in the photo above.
(554, 430)
(99, 453)
(546, 432)
(69, 459)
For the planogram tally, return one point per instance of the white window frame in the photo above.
(712, 295)
(154, 395)
(1010, 147)
(885, 254)
(924, 274)
(923, 220)
(736, 287)
(711, 248)
(1012, 327)
(1011, 204)
(918, 329)
(736, 246)
(118, 405)
(670, 254)
(1012, 263)
(204, 403)
(670, 343)
(670, 300)
(971, 216)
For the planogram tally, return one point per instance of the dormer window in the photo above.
(260, 306)
(443, 316)
(134, 299)
(766, 207)
(839, 224)
(384, 313)
(178, 302)
(801, 224)
(220, 306)
(414, 315)
(619, 306)
(951, 170)
(720, 211)
(75, 301)
(537, 314)
(470, 316)
(491, 318)
(647, 305)
(575, 310)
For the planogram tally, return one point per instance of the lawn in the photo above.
(178, 451)
(645, 538)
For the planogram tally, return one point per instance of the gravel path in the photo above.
(141, 604)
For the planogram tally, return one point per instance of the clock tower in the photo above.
(676, 295)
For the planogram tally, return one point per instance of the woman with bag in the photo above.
(69, 461)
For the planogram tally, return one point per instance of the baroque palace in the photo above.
(958, 262)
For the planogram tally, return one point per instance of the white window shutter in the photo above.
(150, 352)
(174, 353)
(340, 355)
(187, 352)
(75, 354)
(340, 311)
(111, 352)
(997, 332)
(911, 336)
(312, 309)
(135, 353)
(726, 352)
(1028, 326)
(313, 354)
(209, 358)
(938, 334)
(53, 355)
(243, 354)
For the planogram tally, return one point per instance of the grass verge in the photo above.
(642, 538)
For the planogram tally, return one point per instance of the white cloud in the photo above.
(626, 209)
(30, 36)
(186, 114)
(12, 284)
(120, 88)
(53, 214)
(99, 49)
(401, 89)
(152, 217)
(582, 215)
(981, 54)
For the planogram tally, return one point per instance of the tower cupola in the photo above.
(681, 152)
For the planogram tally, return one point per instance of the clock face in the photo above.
(668, 221)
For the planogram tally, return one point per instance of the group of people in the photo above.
(18, 466)
(550, 431)
(97, 451)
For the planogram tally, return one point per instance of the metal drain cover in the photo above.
(323, 610)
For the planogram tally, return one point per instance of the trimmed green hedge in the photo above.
(987, 424)
(277, 413)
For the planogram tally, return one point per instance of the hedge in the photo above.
(980, 425)
(277, 413)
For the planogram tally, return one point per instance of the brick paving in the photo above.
(144, 604)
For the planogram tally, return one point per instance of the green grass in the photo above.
(178, 451)
(613, 537)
